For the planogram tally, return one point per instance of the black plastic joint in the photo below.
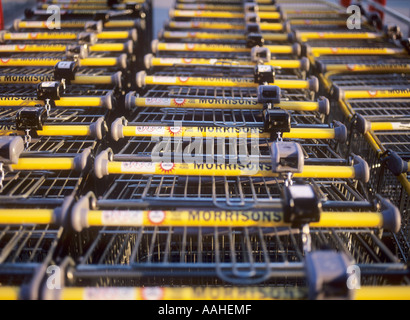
(31, 119)
(80, 212)
(393, 32)
(321, 67)
(80, 51)
(361, 124)
(391, 215)
(255, 40)
(337, 93)
(252, 18)
(66, 70)
(287, 157)
(361, 168)
(52, 90)
(297, 49)
(327, 274)
(87, 38)
(324, 105)
(269, 94)
(261, 55)
(304, 64)
(251, 7)
(94, 26)
(82, 161)
(340, 132)
(253, 28)
(98, 129)
(375, 20)
(301, 205)
(314, 84)
(277, 121)
(396, 164)
(264, 74)
(10, 149)
(305, 50)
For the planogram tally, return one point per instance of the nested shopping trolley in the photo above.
(42, 178)
(221, 243)
(379, 129)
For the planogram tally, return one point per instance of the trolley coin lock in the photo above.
(255, 40)
(252, 18)
(94, 26)
(261, 55)
(75, 51)
(301, 205)
(87, 38)
(253, 28)
(264, 74)
(287, 157)
(251, 7)
(269, 95)
(31, 119)
(10, 149)
(66, 70)
(50, 90)
(277, 122)
(327, 275)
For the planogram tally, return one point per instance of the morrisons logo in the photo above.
(235, 216)
(21, 78)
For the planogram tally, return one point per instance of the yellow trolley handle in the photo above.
(94, 1)
(77, 164)
(120, 62)
(222, 7)
(365, 126)
(95, 130)
(41, 36)
(127, 47)
(195, 47)
(84, 217)
(220, 14)
(105, 167)
(75, 24)
(153, 62)
(342, 94)
(143, 80)
(198, 25)
(321, 51)
(368, 68)
(307, 36)
(210, 293)
(134, 101)
(120, 131)
(179, 35)
(115, 79)
(106, 102)
(316, 22)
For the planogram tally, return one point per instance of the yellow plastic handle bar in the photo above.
(247, 104)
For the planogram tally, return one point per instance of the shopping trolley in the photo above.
(44, 178)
